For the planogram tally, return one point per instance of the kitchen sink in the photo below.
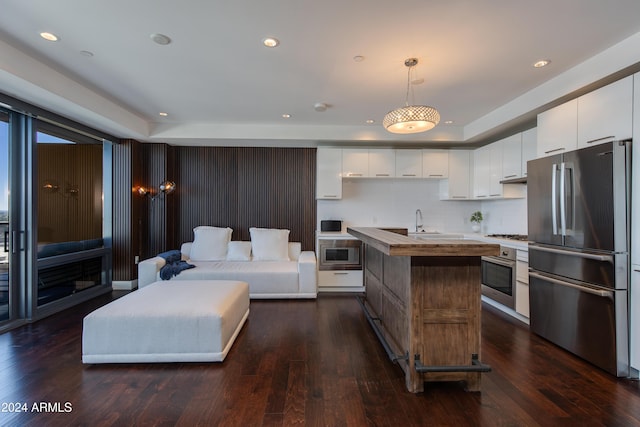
(435, 235)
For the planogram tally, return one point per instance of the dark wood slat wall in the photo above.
(155, 170)
(208, 188)
(127, 209)
(248, 187)
(238, 187)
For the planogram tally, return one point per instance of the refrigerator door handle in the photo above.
(563, 208)
(595, 257)
(598, 292)
(554, 200)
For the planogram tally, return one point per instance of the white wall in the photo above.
(393, 203)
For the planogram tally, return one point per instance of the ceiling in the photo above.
(220, 85)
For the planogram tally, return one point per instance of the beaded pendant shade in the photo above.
(411, 118)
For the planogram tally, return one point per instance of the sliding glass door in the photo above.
(6, 291)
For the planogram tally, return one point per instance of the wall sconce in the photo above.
(165, 187)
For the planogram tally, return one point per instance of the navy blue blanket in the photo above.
(174, 264)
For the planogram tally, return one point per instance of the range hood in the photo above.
(522, 180)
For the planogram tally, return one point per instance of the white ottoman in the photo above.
(168, 321)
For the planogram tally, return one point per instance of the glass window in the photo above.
(69, 183)
(4, 217)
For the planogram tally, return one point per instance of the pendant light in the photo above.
(411, 118)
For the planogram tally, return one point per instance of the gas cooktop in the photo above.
(521, 237)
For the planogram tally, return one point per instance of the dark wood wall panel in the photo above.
(238, 187)
(248, 187)
(155, 171)
(126, 209)
(208, 188)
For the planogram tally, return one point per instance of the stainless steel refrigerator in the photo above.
(578, 219)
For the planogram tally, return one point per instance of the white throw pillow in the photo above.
(269, 244)
(239, 251)
(210, 243)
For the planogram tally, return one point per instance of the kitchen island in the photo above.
(422, 298)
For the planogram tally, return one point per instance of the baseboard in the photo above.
(124, 285)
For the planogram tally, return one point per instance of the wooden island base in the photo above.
(423, 300)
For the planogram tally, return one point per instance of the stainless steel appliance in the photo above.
(340, 254)
(578, 219)
(330, 225)
(499, 277)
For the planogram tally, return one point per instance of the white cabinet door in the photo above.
(435, 163)
(529, 143)
(512, 157)
(606, 113)
(458, 185)
(522, 283)
(409, 163)
(382, 163)
(328, 173)
(481, 172)
(495, 171)
(558, 129)
(355, 162)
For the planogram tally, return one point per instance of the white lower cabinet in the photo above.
(522, 283)
(340, 279)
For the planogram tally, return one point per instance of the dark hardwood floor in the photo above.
(303, 363)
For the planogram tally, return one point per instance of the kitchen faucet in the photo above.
(419, 215)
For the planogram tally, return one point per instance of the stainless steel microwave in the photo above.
(340, 254)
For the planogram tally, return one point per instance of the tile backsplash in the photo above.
(393, 203)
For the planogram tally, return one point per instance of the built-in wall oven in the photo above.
(339, 254)
(499, 277)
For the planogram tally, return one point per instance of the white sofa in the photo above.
(292, 275)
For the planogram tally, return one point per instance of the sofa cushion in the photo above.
(266, 277)
(239, 251)
(210, 243)
(269, 244)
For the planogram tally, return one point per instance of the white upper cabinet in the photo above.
(382, 163)
(355, 162)
(495, 169)
(481, 172)
(512, 157)
(529, 143)
(328, 173)
(458, 186)
(409, 163)
(435, 164)
(558, 129)
(606, 113)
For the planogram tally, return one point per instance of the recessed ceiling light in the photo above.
(49, 36)
(370, 122)
(541, 63)
(271, 42)
(86, 53)
(417, 81)
(163, 114)
(358, 58)
(286, 116)
(160, 39)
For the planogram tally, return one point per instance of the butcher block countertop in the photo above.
(395, 244)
